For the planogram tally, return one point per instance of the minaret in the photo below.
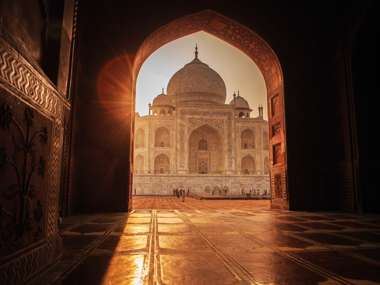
(260, 111)
(150, 108)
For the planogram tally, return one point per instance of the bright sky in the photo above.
(238, 71)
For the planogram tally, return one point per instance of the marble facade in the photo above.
(191, 138)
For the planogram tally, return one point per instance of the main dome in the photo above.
(196, 82)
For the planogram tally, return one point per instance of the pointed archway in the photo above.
(205, 149)
(265, 58)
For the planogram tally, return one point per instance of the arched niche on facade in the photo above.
(205, 151)
(140, 138)
(249, 42)
(161, 164)
(248, 165)
(139, 164)
(247, 139)
(202, 144)
(162, 137)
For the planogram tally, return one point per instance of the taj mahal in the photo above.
(193, 139)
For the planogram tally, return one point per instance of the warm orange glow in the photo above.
(114, 87)
(131, 266)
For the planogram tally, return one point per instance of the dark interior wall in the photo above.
(32, 114)
(66, 39)
(52, 41)
(302, 34)
(364, 61)
(24, 20)
(35, 28)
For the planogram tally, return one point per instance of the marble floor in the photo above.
(167, 241)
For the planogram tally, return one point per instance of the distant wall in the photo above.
(200, 184)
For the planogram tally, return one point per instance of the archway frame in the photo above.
(265, 58)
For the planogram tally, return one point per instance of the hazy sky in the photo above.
(238, 71)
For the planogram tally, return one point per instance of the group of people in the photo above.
(181, 193)
(253, 192)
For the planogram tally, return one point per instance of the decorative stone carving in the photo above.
(275, 105)
(25, 84)
(24, 149)
(197, 122)
(277, 186)
(196, 113)
(276, 153)
(276, 129)
(18, 75)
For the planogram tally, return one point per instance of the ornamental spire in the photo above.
(196, 51)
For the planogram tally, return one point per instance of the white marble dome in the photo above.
(239, 102)
(196, 82)
(162, 100)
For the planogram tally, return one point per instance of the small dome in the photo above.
(197, 82)
(239, 102)
(162, 100)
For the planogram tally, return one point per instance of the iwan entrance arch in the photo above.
(261, 53)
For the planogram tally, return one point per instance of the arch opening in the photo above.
(248, 165)
(205, 151)
(247, 139)
(140, 139)
(252, 45)
(161, 164)
(162, 137)
(139, 164)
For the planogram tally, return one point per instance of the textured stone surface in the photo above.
(167, 241)
(23, 55)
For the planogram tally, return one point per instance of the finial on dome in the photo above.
(234, 94)
(162, 91)
(196, 51)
